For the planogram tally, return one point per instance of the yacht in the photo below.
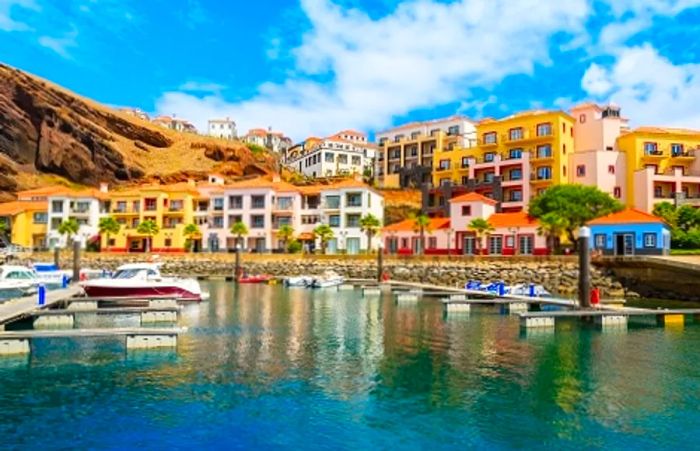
(17, 280)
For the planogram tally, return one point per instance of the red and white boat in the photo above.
(144, 280)
(262, 278)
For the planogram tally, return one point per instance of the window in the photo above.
(404, 243)
(284, 203)
(352, 221)
(233, 219)
(544, 173)
(611, 169)
(658, 192)
(544, 129)
(283, 220)
(136, 206)
(453, 130)
(515, 196)
(465, 162)
(582, 118)
(490, 138)
(488, 177)
(413, 151)
(334, 220)
(650, 148)
(257, 202)
(563, 128)
(676, 150)
(599, 240)
(235, 202)
(218, 203)
(356, 160)
(515, 153)
(563, 148)
(489, 157)
(168, 242)
(516, 174)
(343, 158)
(432, 242)
(121, 207)
(353, 200)
(496, 245)
(445, 181)
(257, 221)
(150, 204)
(544, 151)
(617, 192)
(465, 180)
(415, 135)
(466, 210)
(510, 241)
(176, 205)
(444, 165)
(57, 206)
(217, 222)
(581, 170)
(563, 171)
(649, 240)
(310, 219)
(434, 131)
(40, 218)
(515, 133)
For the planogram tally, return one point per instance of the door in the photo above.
(260, 245)
(352, 246)
(469, 246)
(332, 246)
(525, 244)
(624, 244)
(629, 244)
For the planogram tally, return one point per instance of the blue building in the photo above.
(630, 232)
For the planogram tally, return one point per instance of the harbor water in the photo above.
(264, 367)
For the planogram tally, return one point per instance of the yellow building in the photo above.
(515, 158)
(661, 166)
(25, 223)
(171, 207)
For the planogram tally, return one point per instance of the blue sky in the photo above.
(312, 67)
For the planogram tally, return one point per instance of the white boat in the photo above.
(144, 280)
(328, 280)
(498, 288)
(301, 281)
(16, 279)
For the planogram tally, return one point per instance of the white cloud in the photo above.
(424, 53)
(7, 23)
(62, 44)
(596, 81)
(201, 87)
(650, 88)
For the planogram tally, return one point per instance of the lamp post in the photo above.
(584, 267)
(237, 270)
(449, 243)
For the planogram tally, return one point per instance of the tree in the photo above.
(285, 233)
(108, 226)
(687, 218)
(191, 232)
(421, 224)
(552, 226)
(575, 205)
(666, 211)
(4, 229)
(324, 233)
(239, 230)
(370, 224)
(684, 222)
(150, 229)
(69, 227)
(481, 228)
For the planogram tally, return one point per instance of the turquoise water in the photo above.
(267, 368)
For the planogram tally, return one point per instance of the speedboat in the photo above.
(262, 278)
(143, 280)
(50, 274)
(328, 280)
(301, 281)
(18, 280)
(499, 288)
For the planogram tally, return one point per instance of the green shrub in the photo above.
(294, 247)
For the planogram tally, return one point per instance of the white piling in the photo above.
(514, 308)
(371, 291)
(14, 346)
(151, 341)
(158, 317)
(406, 297)
(611, 322)
(82, 305)
(346, 287)
(160, 303)
(537, 322)
(54, 321)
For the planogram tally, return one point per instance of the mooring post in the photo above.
(380, 262)
(76, 261)
(584, 267)
(57, 257)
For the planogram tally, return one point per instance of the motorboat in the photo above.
(499, 288)
(16, 279)
(262, 278)
(327, 280)
(49, 273)
(301, 281)
(143, 280)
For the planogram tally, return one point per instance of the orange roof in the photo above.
(60, 190)
(627, 216)
(262, 182)
(473, 197)
(182, 187)
(666, 130)
(305, 236)
(519, 219)
(409, 225)
(16, 207)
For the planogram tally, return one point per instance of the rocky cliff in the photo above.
(48, 133)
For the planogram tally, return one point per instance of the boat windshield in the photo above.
(133, 273)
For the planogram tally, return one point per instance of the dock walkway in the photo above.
(15, 309)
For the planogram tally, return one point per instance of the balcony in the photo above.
(688, 155)
(80, 211)
(543, 179)
(488, 144)
(125, 211)
(528, 135)
(442, 169)
(653, 155)
(542, 157)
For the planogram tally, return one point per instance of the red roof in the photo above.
(628, 216)
(473, 197)
(518, 219)
(409, 225)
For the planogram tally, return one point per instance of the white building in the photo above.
(345, 153)
(222, 128)
(86, 207)
(172, 123)
(273, 141)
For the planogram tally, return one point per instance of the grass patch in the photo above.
(685, 251)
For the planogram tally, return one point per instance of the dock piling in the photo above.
(76, 261)
(584, 268)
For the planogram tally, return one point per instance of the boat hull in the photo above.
(100, 291)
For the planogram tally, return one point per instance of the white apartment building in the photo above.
(274, 141)
(86, 207)
(345, 153)
(222, 128)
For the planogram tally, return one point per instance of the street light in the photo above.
(584, 267)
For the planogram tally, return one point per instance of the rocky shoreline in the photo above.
(557, 276)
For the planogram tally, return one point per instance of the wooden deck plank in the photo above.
(20, 307)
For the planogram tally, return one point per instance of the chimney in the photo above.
(276, 178)
(104, 187)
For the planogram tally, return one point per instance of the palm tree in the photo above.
(325, 234)
(3, 229)
(370, 224)
(240, 230)
(191, 232)
(552, 226)
(69, 227)
(108, 226)
(285, 233)
(481, 228)
(421, 224)
(150, 229)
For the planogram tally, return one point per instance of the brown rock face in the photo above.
(45, 129)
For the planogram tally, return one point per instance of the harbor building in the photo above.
(86, 207)
(345, 153)
(222, 128)
(406, 154)
(630, 232)
(24, 224)
(273, 141)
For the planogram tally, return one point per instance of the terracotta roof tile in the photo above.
(473, 197)
(16, 207)
(518, 219)
(409, 225)
(628, 216)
